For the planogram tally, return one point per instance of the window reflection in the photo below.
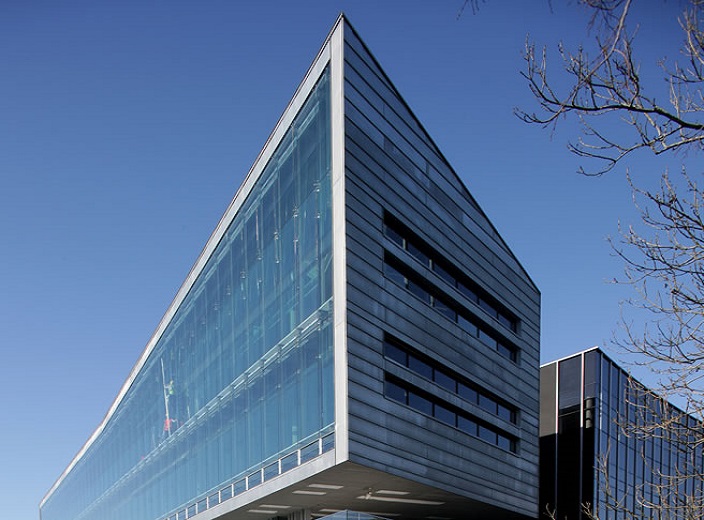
(216, 396)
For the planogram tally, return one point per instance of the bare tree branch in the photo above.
(610, 83)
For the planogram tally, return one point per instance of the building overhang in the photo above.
(351, 486)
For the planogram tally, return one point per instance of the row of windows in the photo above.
(398, 351)
(269, 275)
(442, 304)
(407, 394)
(427, 256)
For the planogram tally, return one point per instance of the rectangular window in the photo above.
(405, 393)
(418, 254)
(505, 351)
(395, 392)
(420, 367)
(487, 340)
(468, 293)
(487, 404)
(505, 413)
(391, 351)
(467, 426)
(488, 308)
(487, 435)
(417, 248)
(467, 393)
(445, 381)
(406, 278)
(429, 368)
(444, 309)
(420, 403)
(420, 292)
(507, 322)
(442, 273)
(394, 236)
(505, 443)
(443, 414)
(467, 326)
(394, 275)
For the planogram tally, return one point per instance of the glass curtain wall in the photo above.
(624, 474)
(243, 374)
(655, 475)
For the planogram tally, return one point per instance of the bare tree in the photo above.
(664, 253)
(607, 81)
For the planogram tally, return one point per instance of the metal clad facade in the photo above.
(395, 172)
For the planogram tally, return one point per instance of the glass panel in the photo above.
(419, 291)
(443, 414)
(418, 254)
(505, 443)
(445, 381)
(506, 352)
(289, 462)
(272, 470)
(254, 479)
(487, 404)
(505, 413)
(240, 486)
(420, 403)
(468, 292)
(394, 275)
(220, 367)
(309, 452)
(391, 351)
(420, 367)
(444, 275)
(488, 308)
(467, 425)
(506, 322)
(487, 434)
(467, 326)
(395, 392)
(467, 393)
(570, 378)
(394, 236)
(444, 309)
(487, 340)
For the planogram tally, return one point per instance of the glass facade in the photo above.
(652, 452)
(239, 387)
(620, 450)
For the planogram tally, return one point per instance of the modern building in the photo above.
(355, 335)
(611, 449)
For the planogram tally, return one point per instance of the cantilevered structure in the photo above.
(355, 335)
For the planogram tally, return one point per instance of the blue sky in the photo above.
(126, 128)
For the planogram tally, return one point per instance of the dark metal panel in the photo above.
(392, 166)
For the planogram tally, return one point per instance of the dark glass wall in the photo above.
(613, 458)
(242, 377)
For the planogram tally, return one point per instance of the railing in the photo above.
(268, 471)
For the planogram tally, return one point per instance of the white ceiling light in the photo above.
(399, 500)
(325, 486)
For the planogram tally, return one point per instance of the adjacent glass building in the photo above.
(612, 449)
(355, 335)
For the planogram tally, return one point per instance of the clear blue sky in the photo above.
(126, 127)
